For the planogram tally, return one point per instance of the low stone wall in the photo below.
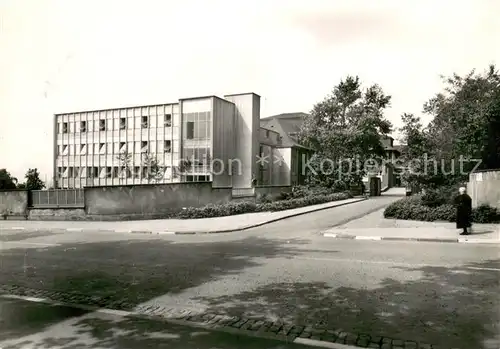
(13, 204)
(484, 188)
(272, 191)
(151, 201)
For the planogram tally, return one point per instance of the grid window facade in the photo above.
(114, 147)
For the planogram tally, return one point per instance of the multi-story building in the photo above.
(196, 139)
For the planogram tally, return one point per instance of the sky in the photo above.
(66, 56)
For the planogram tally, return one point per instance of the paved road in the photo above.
(284, 273)
(28, 325)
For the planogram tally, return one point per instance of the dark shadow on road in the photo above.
(19, 319)
(453, 307)
(123, 274)
(98, 331)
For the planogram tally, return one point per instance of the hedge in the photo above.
(234, 208)
(419, 208)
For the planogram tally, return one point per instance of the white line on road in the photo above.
(368, 238)
(321, 344)
(389, 262)
(16, 228)
(330, 235)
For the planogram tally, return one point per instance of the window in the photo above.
(123, 123)
(102, 148)
(168, 120)
(144, 123)
(65, 127)
(168, 146)
(83, 126)
(190, 130)
(137, 172)
(64, 150)
(267, 133)
(144, 147)
(83, 149)
(123, 147)
(102, 125)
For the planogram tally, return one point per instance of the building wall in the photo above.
(13, 203)
(224, 162)
(484, 188)
(151, 200)
(88, 145)
(197, 135)
(281, 169)
(247, 124)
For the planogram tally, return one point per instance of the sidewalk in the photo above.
(176, 226)
(375, 227)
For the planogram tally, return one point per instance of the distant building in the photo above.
(221, 140)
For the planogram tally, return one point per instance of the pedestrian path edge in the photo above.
(389, 238)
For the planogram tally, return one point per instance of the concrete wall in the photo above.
(247, 118)
(484, 188)
(272, 191)
(13, 203)
(281, 171)
(223, 144)
(151, 200)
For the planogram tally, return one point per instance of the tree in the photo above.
(465, 116)
(154, 171)
(125, 163)
(33, 181)
(345, 131)
(6, 180)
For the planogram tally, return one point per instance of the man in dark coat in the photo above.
(463, 203)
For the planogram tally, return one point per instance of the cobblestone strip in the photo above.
(256, 325)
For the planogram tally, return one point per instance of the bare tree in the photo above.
(125, 161)
(154, 170)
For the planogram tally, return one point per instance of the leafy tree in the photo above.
(154, 171)
(33, 181)
(6, 180)
(345, 130)
(465, 116)
(125, 163)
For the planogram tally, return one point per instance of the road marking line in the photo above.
(166, 233)
(74, 229)
(478, 241)
(24, 298)
(322, 344)
(478, 268)
(368, 238)
(330, 235)
(29, 243)
(16, 228)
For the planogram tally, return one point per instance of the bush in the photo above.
(440, 196)
(234, 208)
(413, 208)
(485, 214)
(304, 191)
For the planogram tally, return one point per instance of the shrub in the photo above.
(440, 196)
(413, 209)
(234, 208)
(485, 214)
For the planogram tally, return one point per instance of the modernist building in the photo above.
(196, 139)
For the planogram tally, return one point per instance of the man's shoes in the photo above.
(465, 233)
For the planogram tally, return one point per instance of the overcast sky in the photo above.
(64, 56)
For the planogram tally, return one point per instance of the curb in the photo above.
(388, 238)
(187, 319)
(129, 231)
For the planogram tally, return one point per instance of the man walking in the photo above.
(463, 203)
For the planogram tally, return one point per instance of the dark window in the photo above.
(102, 125)
(168, 146)
(83, 126)
(123, 123)
(65, 127)
(168, 120)
(190, 130)
(144, 123)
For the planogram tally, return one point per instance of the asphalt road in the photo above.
(440, 293)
